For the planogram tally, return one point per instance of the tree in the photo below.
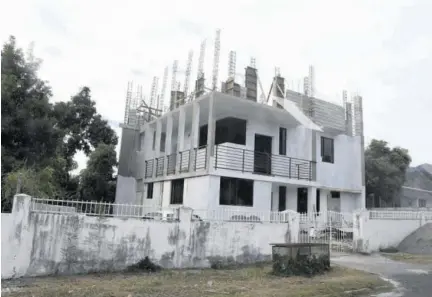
(29, 135)
(385, 170)
(97, 180)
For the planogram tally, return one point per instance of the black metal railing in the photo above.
(160, 163)
(185, 161)
(149, 165)
(232, 158)
(171, 164)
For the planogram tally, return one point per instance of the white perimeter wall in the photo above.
(41, 244)
(373, 234)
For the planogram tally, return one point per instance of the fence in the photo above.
(233, 158)
(400, 214)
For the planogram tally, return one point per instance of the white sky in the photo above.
(381, 49)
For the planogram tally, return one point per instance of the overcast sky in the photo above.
(380, 49)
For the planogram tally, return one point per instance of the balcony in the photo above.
(231, 158)
(234, 158)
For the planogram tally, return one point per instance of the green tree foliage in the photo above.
(385, 170)
(97, 180)
(40, 139)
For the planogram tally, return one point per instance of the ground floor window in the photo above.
(236, 191)
(150, 191)
(177, 186)
(422, 202)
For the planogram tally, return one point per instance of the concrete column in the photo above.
(168, 141)
(181, 255)
(211, 126)
(158, 138)
(20, 238)
(194, 134)
(180, 135)
(311, 194)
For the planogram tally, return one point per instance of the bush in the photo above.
(145, 265)
(300, 266)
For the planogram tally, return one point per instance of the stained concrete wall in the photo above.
(43, 244)
(374, 234)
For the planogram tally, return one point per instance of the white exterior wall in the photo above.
(196, 192)
(345, 172)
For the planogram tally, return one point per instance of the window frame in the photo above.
(177, 200)
(282, 141)
(234, 187)
(324, 154)
(149, 190)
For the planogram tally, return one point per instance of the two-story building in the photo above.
(224, 151)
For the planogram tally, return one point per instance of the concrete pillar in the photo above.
(311, 194)
(181, 255)
(211, 126)
(158, 137)
(180, 135)
(168, 141)
(20, 237)
(194, 134)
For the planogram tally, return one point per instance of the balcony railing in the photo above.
(185, 161)
(232, 158)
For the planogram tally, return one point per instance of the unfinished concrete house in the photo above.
(227, 147)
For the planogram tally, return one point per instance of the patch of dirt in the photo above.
(409, 258)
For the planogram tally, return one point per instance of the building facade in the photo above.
(224, 151)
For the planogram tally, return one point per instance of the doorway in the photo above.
(302, 200)
(262, 154)
(282, 198)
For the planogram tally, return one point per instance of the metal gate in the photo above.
(329, 227)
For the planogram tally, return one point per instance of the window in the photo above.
(282, 198)
(327, 150)
(203, 136)
(236, 191)
(318, 200)
(154, 140)
(231, 130)
(335, 194)
(422, 203)
(150, 191)
(162, 142)
(177, 186)
(282, 141)
(141, 141)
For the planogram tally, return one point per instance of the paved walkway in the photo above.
(410, 280)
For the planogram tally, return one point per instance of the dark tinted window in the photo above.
(236, 191)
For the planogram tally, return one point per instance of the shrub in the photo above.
(145, 265)
(301, 265)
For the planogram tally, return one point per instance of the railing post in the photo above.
(310, 170)
(289, 168)
(205, 159)
(243, 160)
(196, 152)
(298, 171)
(181, 162)
(216, 149)
(145, 169)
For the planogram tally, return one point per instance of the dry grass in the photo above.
(409, 258)
(251, 281)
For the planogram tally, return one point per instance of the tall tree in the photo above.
(385, 170)
(97, 180)
(29, 135)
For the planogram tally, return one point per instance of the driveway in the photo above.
(410, 280)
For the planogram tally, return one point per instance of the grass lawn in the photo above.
(249, 281)
(409, 258)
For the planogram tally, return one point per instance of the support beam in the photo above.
(211, 126)
(158, 138)
(180, 135)
(311, 194)
(168, 141)
(194, 134)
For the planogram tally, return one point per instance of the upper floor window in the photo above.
(282, 141)
(327, 150)
(154, 140)
(231, 130)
